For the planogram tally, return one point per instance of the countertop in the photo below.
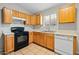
(60, 32)
(8, 33)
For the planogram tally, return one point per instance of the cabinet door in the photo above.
(45, 40)
(33, 20)
(15, 13)
(41, 39)
(7, 16)
(38, 19)
(28, 19)
(50, 41)
(30, 37)
(8, 43)
(35, 37)
(22, 15)
(67, 14)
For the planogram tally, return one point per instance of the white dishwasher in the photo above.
(64, 44)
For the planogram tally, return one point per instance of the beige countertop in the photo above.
(60, 32)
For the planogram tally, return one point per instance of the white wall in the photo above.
(54, 10)
(6, 27)
(72, 27)
(77, 5)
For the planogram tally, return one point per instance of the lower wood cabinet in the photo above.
(8, 43)
(30, 37)
(50, 41)
(44, 39)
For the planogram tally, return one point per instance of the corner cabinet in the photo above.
(8, 43)
(67, 14)
(6, 15)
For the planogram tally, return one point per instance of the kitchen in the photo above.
(52, 28)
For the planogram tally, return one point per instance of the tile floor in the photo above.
(33, 49)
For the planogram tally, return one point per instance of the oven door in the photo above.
(21, 40)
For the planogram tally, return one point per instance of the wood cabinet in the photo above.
(67, 14)
(8, 43)
(50, 41)
(6, 15)
(15, 13)
(38, 19)
(35, 20)
(44, 39)
(28, 20)
(18, 14)
(30, 37)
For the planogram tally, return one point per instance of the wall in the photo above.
(71, 27)
(54, 10)
(78, 25)
(6, 27)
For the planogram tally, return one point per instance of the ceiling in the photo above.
(36, 7)
(30, 7)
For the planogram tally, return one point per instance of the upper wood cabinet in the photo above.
(67, 14)
(8, 43)
(7, 15)
(35, 20)
(38, 19)
(18, 14)
(28, 19)
(15, 13)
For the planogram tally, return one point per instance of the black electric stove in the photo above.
(21, 37)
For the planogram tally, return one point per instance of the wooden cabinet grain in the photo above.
(28, 19)
(30, 37)
(8, 43)
(15, 13)
(50, 41)
(44, 39)
(7, 15)
(67, 14)
(38, 19)
(33, 20)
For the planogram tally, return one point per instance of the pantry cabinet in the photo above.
(8, 43)
(67, 14)
(6, 15)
